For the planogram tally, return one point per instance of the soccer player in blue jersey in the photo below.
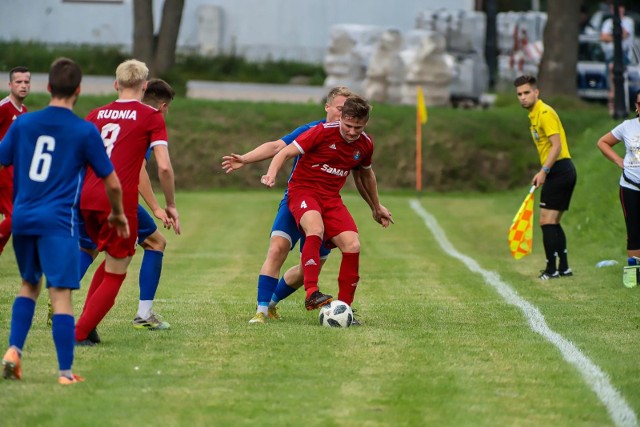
(284, 232)
(50, 150)
(159, 95)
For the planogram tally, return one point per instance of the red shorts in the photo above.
(107, 239)
(335, 215)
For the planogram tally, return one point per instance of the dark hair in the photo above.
(356, 107)
(525, 80)
(19, 69)
(64, 78)
(158, 91)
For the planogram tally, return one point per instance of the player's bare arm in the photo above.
(286, 153)
(380, 213)
(167, 183)
(262, 152)
(554, 152)
(146, 191)
(117, 217)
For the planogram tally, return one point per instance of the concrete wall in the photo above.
(256, 29)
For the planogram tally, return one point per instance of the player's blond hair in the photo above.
(338, 91)
(131, 73)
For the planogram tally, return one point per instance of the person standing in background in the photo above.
(11, 107)
(557, 175)
(629, 132)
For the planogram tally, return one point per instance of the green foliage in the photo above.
(103, 60)
(475, 150)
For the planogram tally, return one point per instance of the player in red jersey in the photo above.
(330, 152)
(10, 108)
(128, 128)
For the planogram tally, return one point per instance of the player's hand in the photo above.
(120, 223)
(268, 180)
(232, 162)
(174, 217)
(382, 215)
(162, 216)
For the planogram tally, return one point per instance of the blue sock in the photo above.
(266, 286)
(282, 291)
(62, 330)
(150, 271)
(85, 261)
(21, 319)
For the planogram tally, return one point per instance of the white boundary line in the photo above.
(619, 410)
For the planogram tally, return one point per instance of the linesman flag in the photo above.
(521, 231)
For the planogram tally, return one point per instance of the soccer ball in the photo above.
(336, 314)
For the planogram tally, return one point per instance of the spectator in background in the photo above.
(606, 37)
(628, 36)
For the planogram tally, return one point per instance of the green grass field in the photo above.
(446, 341)
(439, 345)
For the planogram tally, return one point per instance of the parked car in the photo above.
(592, 74)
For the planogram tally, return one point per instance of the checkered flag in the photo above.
(521, 231)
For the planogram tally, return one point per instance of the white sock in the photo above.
(144, 308)
(263, 309)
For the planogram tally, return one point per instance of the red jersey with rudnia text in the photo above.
(128, 128)
(327, 159)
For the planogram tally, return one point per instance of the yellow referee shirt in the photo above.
(544, 123)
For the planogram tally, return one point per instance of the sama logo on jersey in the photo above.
(356, 155)
(534, 132)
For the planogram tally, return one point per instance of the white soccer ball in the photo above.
(336, 314)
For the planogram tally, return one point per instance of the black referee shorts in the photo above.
(558, 187)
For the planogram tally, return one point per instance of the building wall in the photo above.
(256, 29)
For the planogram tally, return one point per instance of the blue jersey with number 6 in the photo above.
(50, 150)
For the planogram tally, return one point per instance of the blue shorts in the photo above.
(284, 225)
(57, 257)
(146, 227)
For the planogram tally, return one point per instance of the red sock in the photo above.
(97, 278)
(310, 259)
(348, 277)
(99, 305)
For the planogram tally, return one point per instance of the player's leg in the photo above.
(24, 305)
(59, 263)
(284, 235)
(119, 252)
(88, 252)
(555, 198)
(342, 231)
(6, 209)
(313, 227)
(154, 245)
(348, 276)
(293, 278)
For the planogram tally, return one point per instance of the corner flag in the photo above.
(421, 107)
(521, 231)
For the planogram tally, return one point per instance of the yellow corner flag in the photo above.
(421, 106)
(521, 231)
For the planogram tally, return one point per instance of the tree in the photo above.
(158, 51)
(557, 75)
